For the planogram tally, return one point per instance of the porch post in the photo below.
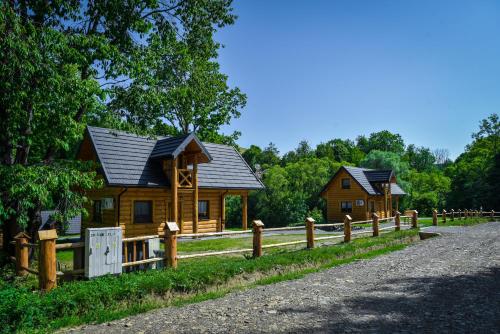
(174, 180)
(244, 215)
(195, 194)
(385, 200)
(222, 212)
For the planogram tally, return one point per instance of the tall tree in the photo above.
(420, 158)
(55, 57)
(178, 90)
(381, 141)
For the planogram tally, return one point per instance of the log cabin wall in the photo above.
(161, 202)
(335, 195)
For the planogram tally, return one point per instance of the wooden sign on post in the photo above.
(171, 230)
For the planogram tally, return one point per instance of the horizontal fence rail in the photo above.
(144, 252)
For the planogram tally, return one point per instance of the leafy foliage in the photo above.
(132, 65)
(429, 178)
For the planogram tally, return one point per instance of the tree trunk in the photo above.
(10, 229)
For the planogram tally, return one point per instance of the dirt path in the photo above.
(446, 284)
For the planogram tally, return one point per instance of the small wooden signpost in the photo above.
(171, 230)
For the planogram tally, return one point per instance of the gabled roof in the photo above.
(126, 160)
(396, 189)
(171, 147)
(359, 175)
(367, 178)
(378, 175)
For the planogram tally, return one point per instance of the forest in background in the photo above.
(431, 180)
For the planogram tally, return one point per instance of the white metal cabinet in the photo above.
(103, 251)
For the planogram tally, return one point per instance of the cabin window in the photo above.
(97, 212)
(203, 210)
(143, 212)
(346, 183)
(346, 206)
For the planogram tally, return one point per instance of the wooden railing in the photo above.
(185, 178)
(47, 246)
(259, 231)
(141, 242)
(462, 215)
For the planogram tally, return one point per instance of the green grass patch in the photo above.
(455, 222)
(219, 244)
(107, 298)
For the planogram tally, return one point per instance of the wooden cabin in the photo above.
(360, 192)
(151, 181)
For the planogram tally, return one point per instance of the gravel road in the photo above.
(449, 284)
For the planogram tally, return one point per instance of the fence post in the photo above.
(492, 214)
(171, 230)
(397, 221)
(310, 232)
(444, 216)
(47, 265)
(22, 253)
(258, 226)
(414, 219)
(375, 225)
(465, 214)
(434, 217)
(452, 215)
(347, 228)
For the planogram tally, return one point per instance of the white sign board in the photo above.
(103, 251)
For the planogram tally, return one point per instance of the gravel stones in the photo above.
(445, 284)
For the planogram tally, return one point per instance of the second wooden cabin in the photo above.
(360, 192)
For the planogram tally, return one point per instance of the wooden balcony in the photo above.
(185, 178)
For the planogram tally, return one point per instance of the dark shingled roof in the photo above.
(367, 178)
(378, 175)
(396, 189)
(171, 147)
(359, 175)
(126, 161)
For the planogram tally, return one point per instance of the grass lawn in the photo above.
(108, 298)
(427, 221)
(65, 257)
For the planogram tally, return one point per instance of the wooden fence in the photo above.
(462, 215)
(47, 247)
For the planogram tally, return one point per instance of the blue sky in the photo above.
(317, 70)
